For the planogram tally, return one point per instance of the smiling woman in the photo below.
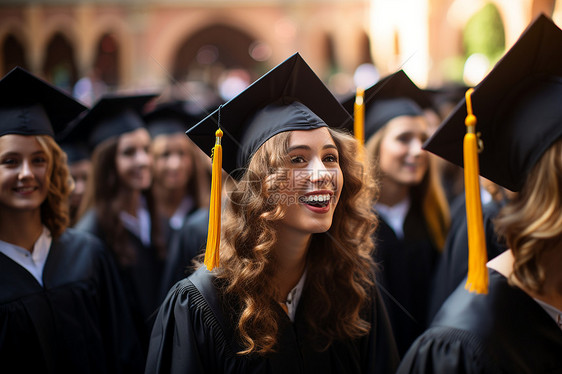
(23, 173)
(59, 294)
(295, 290)
(411, 206)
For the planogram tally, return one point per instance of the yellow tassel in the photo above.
(477, 280)
(359, 120)
(212, 253)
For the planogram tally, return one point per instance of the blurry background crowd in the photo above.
(195, 48)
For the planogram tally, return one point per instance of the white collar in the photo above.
(395, 215)
(34, 261)
(294, 297)
(177, 220)
(139, 225)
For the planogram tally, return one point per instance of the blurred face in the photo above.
(24, 168)
(311, 184)
(401, 158)
(173, 161)
(133, 159)
(80, 172)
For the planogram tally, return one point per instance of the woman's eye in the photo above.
(404, 139)
(331, 158)
(8, 161)
(40, 160)
(297, 159)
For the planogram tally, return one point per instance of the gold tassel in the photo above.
(212, 254)
(477, 280)
(359, 120)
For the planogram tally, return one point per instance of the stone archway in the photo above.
(13, 54)
(211, 50)
(106, 60)
(60, 65)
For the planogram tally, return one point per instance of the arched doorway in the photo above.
(206, 54)
(330, 56)
(13, 54)
(60, 65)
(365, 55)
(106, 63)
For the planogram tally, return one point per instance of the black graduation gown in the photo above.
(453, 264)
(141, 281)
(406, 269)
(505, 331)
(193, 334)
(183, 245)
(77, 322)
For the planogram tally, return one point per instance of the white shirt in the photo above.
(176, 221)
(294, 297)
(33, 261)
(139, 225)
(394, 215)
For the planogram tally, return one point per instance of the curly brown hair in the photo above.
(339, 262)
(531, 222)
(54, 210)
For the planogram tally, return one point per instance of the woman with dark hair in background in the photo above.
(118, 206)
(180, 188)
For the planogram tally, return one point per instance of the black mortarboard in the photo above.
(75, 151)
(31, 106)
(517, 106)
(393, 96)
(289, 97)
(170, 118)
(111, 116)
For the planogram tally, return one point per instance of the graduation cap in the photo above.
(289, 97)
(170, 118)
(31, 106)
(523, 88)
(111, 116)
(393, 96)
(516, 113)
(75, 152)
(296, 99)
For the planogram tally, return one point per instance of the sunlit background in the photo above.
(188, 49)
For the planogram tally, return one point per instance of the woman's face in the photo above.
(173, 161)
(24, 167)
(401, 158)
(310, 186)
(80, 172)
(133, 159)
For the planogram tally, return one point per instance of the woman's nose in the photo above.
(25, 170)
(143, 158)
(319, 172)
(416, 147)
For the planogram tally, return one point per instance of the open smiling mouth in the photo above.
(318, 201)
